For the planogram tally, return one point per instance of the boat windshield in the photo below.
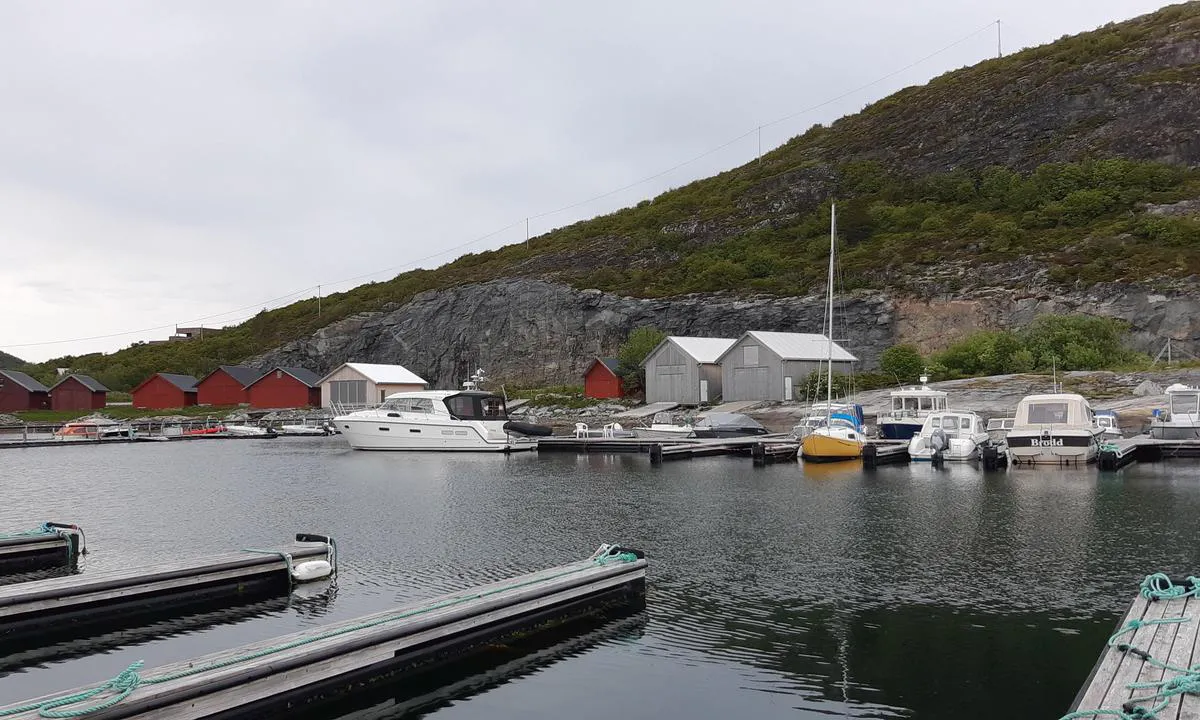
(472, 406)
(410, 405)
(1047, 413)
(1184, 403)
(1104, 421)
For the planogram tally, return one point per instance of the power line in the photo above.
(462, 246)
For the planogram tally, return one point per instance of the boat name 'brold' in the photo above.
(1046, 442)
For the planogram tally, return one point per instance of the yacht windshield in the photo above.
(411, 405)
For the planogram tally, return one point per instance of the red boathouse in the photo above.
(165, 390)
(18, 391)
(284, 387)
(226, 385)
(601, 379)
(78, 392)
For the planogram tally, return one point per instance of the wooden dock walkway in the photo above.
(263, 678)
(51, 544)
(96, 598)
(762, 448)
(1115, 454)
(1150, 635)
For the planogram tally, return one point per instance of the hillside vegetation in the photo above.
(1073, 163)
(10, 362)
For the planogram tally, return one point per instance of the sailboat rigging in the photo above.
(841, 436)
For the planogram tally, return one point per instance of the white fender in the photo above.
(311, 570)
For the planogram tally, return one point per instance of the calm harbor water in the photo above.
(774, 592)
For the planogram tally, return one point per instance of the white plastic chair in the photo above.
(581, 430)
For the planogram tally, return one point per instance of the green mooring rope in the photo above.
(1186, 680)
(129, 680)
(47, 529)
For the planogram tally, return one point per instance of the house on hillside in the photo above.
(601, 379)
(162, 390)
(685, 370)
(19, 391)
(358, 385)
(285, 387)
(78, 392)
(226, 385)
(770, 365)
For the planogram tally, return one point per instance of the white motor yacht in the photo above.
(956, 435)
(1182, 420)
(446, 420)
(1056, 429)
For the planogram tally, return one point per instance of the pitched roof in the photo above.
(186, 383)
(610, 363)
(85, 380)
(703, 349)
(800, 346)
(24, 381)
(381, 374)
(244, 374)
(307, 377)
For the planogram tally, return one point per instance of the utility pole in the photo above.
(318, 301)
(998, 51)
(760, 144)
(526, 232)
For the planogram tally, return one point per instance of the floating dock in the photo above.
(1116, 454)
(1146, 667)
(76, 602)
(51, 545)
(763, 449)
(265, 678)
(884, 452)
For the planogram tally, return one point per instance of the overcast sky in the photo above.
(166, 163)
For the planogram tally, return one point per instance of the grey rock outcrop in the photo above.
(544, 333)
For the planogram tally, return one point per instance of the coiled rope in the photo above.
(129, 679)
(1185, 681)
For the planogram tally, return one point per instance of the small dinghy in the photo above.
(727, 425)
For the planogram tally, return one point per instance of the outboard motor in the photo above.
(939, 442)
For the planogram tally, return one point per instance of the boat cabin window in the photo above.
(964, 424)
(411, 405)
(926, 403)
(950, 423)
(1009, 423)
(477, 407)
(1104, 421)
(936, 422)
(1048, 412)
(1184, 403)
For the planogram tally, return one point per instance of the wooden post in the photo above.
(758, 454)
(656, 454)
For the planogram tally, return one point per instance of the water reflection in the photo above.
(777, 591)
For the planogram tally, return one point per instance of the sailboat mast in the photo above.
(829, 310)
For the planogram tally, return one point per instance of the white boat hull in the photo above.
(960, 450)
(451, 436)
(1058, 447)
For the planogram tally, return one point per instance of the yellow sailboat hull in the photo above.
(823, 448)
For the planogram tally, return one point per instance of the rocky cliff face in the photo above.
(546, 333)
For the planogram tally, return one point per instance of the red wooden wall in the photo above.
(279, 390)
(220, 388)
(600, 382)
(71, 394)
(157, 393)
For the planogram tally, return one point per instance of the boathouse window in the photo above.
(1182, 403)
(1041, 413)
(348, 392)
(750, 355)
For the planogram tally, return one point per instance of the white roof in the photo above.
(703, 349)
(800, 346)
(383, 374)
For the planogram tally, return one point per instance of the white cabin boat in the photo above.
(1055, 429)
(1182, 420)
(445, 420)
(955, 434)
(910, 407)
(1109, 422)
